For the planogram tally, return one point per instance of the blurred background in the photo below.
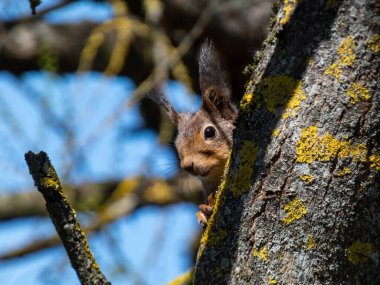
(72, 81)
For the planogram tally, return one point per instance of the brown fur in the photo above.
(200, 156)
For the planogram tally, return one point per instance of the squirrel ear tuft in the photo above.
(159, 97)
(210, 72)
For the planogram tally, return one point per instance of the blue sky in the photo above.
(119, 151)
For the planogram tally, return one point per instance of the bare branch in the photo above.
(64, 219)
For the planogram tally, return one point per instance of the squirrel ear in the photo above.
(159, 97)
(215, 101)
(215, 91)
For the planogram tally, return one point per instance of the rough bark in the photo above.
(300, 203)
(64, 219)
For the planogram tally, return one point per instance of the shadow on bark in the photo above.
(298, 40)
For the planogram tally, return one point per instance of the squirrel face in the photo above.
(203, 145)
(204, 138)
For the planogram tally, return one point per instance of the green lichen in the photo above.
(242, 180)
(359, 252)
(312, 148)
(295, 210)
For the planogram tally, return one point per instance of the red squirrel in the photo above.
(204, 139)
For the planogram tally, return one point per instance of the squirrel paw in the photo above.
(206, 210)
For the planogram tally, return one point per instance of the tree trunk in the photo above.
(300, 201)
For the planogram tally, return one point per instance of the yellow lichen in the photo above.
(329, 4)
(357, 91)
(272, 281)
(346, 51)
(219, 272)
(359, 252)
(275, 133)
(261, 253)
(159, 192)
(312, 148)
(335, 70)
(343, 172)
(184, 279)
(295, 100)
(307, 178)
(374, 43)
(214, 237)
(49, 182)
(246, 101)
(280, 90)
(347, 57)
(242, 180)
(310, 243)
(374, 161)
(295, 210)
(289, 6)
(125, 187)
(209, 237)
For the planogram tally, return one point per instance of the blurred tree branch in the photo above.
(110, 201)
(244, 23)
(93, 196)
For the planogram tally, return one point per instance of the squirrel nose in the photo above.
(188, 166)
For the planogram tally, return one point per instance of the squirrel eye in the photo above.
(210, 132)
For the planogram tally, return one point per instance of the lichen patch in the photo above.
(242, 180)
(359, 252)
(310, 147)
(310, 243)
(261, 253)
(295, 210)
(246, 101)
(289, 6)
(281, 90)
(307, 178)
(346, 57)
(374, 43)
(357, 92)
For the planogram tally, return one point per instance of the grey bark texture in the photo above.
(300, 201)
(64, 219)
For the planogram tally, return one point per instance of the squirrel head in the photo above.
(204, 139)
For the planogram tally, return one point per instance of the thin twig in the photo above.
(159, 72)
(64, 219)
